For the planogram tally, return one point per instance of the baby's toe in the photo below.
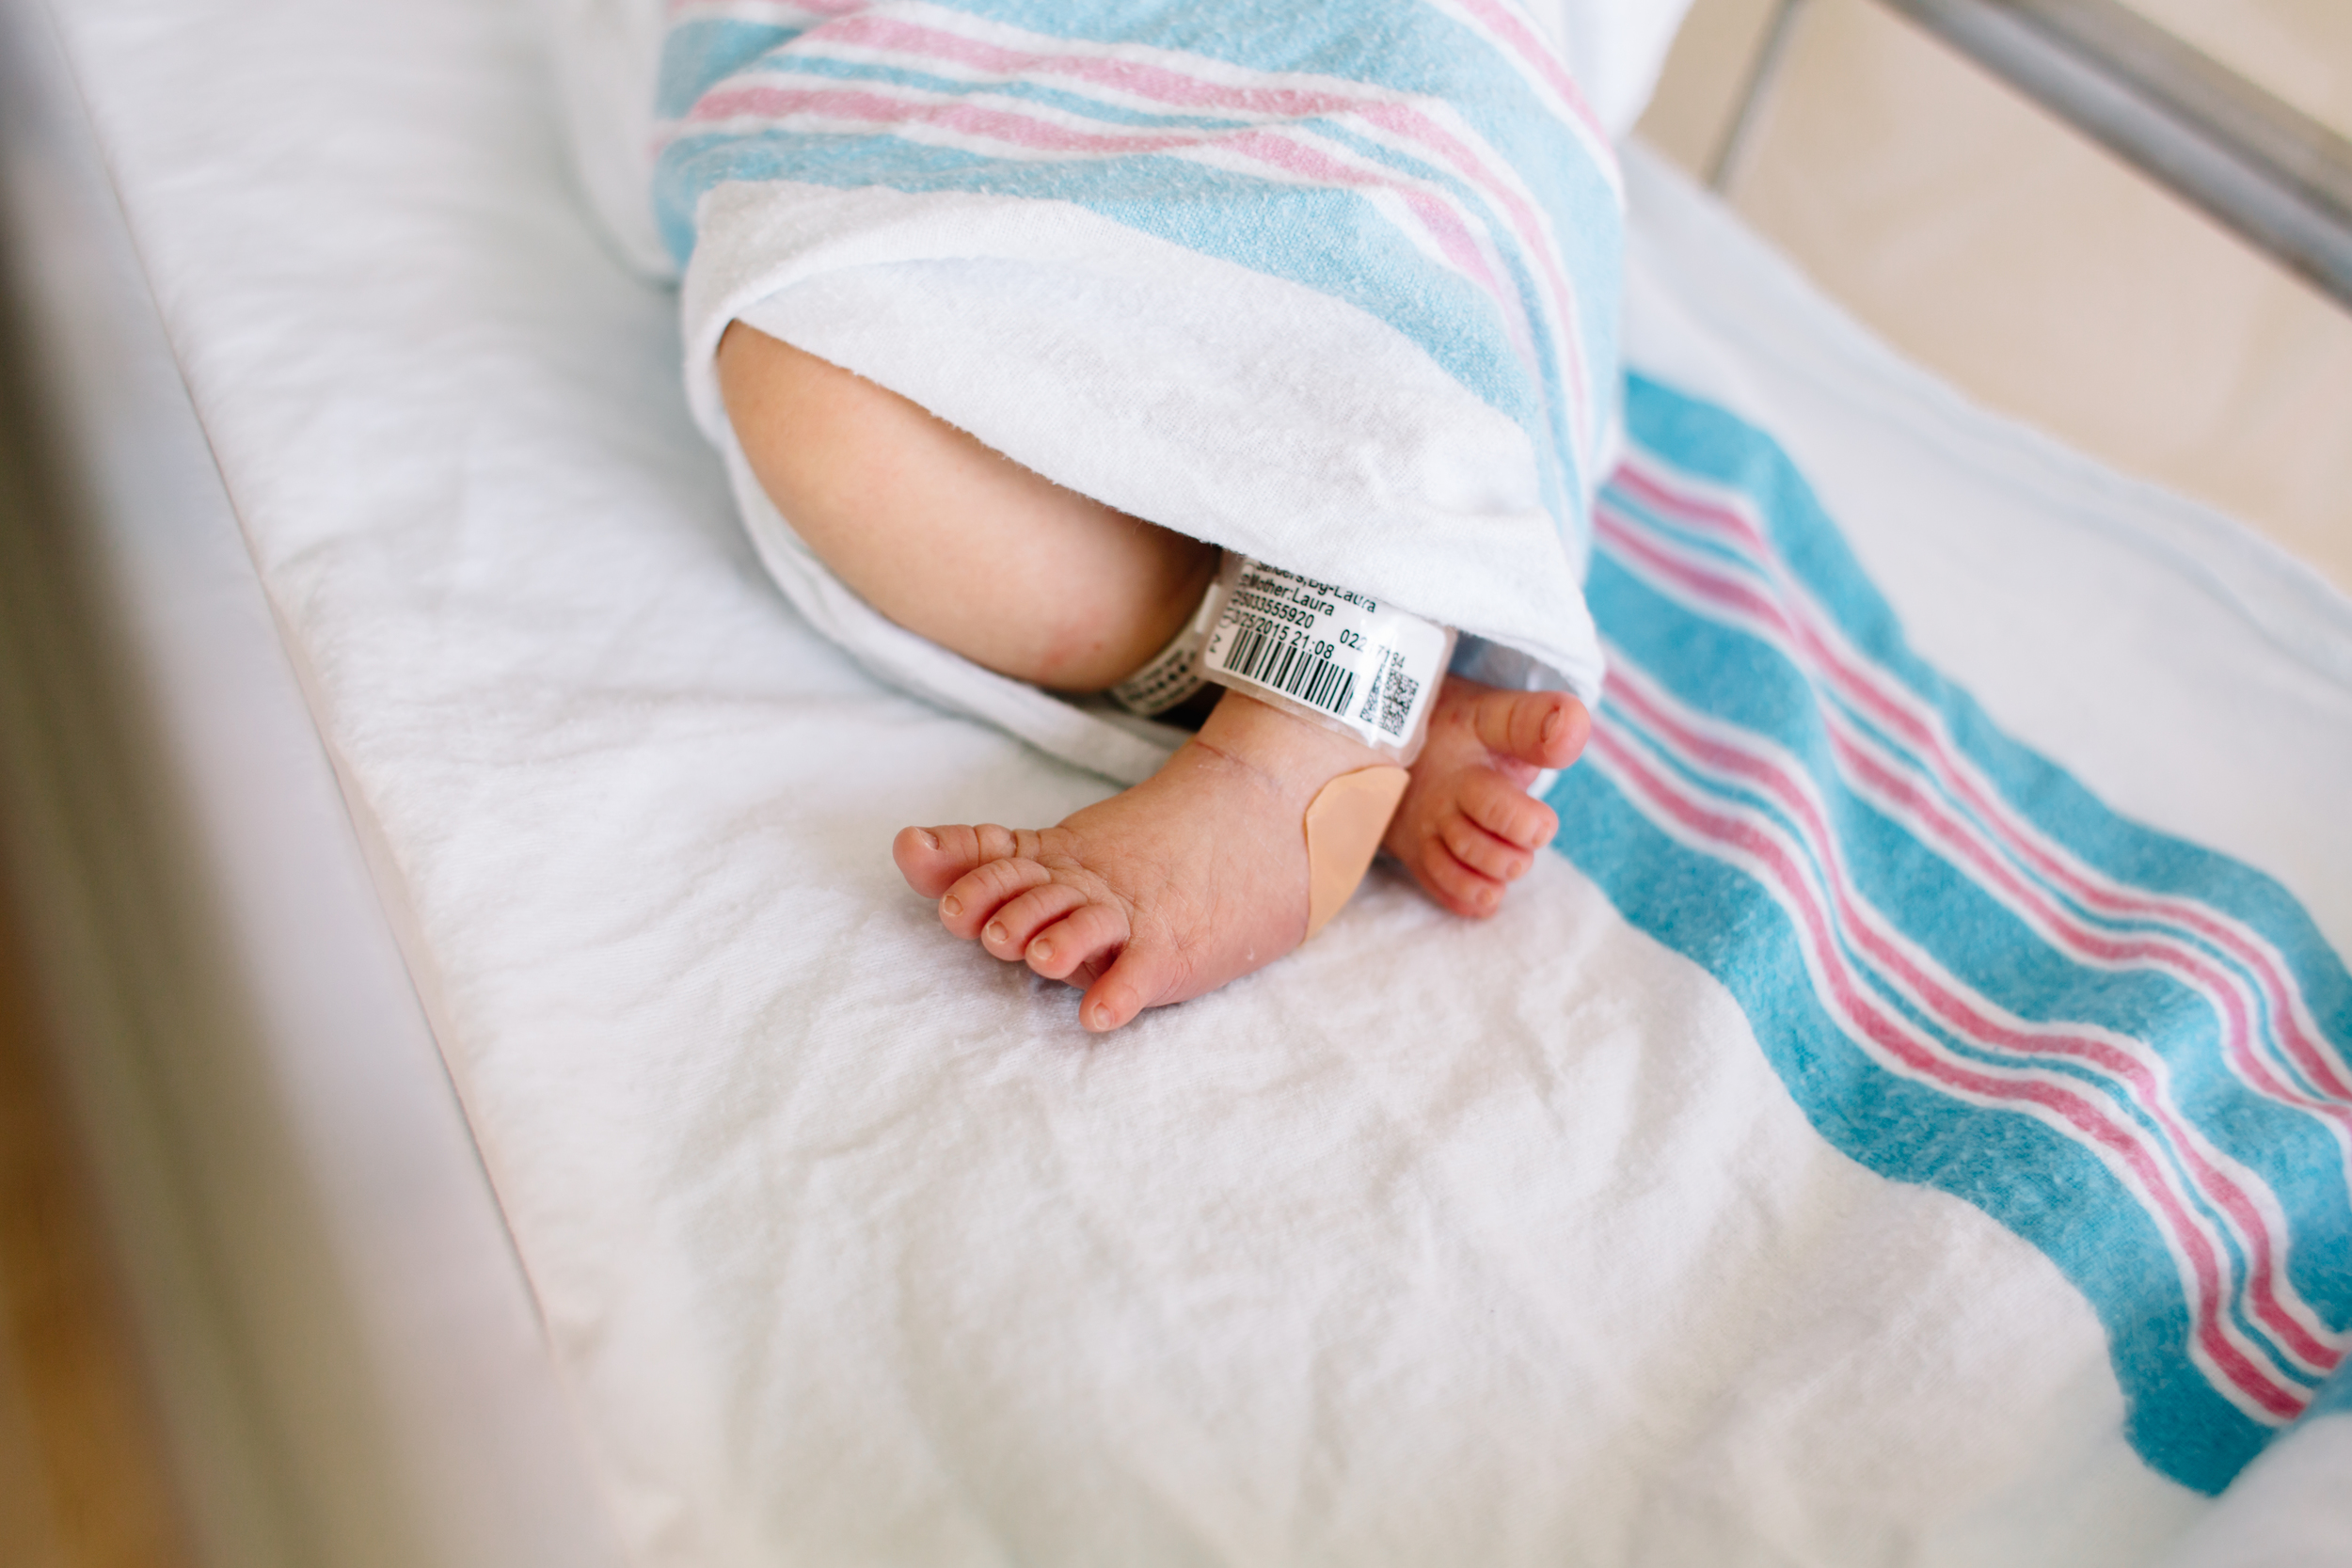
(1456, 887)
(924, 859)
(931, 859)
(1085, 939)
(1021, 917)
(1542, 729)
(1141, 975)
(973, 899)
(1505, 810)
(1482, 851)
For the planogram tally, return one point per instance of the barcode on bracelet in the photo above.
(1396, 700)
(1292, 671)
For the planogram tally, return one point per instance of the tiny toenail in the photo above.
(951, 906)
(931, 839)
(1552, 721)
(996, 930)
(1102, 1017)
(1041, 950)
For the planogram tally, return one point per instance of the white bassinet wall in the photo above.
(837, 1249)
(341, 1351)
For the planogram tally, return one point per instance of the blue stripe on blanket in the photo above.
(1970, 973)
(2334, 1397)
(1422, 160)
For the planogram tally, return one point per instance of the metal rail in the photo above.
(1762, 75)
(2259, 166)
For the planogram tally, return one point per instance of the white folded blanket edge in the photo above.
(1230, 404)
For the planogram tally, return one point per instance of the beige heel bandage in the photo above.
(1333, 656)
(1344, 823)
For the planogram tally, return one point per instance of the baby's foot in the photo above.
(1467, 826)
(1194, 877)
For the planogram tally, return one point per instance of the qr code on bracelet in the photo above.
(1396, 701)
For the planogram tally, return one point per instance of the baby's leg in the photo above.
(1193, 877)
(950, 538)
(1199, 875)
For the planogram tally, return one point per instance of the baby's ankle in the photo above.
(1289, 752)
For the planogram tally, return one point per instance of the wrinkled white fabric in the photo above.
(2289, 1509)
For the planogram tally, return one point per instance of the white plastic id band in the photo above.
(1174, 672)
(1338, 657)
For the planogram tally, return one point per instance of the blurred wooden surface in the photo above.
(83, 1482)
(82, 1478)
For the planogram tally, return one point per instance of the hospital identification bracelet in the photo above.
(1174, 673)
(1334, 656)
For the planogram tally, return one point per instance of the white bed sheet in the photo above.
(850, 1247)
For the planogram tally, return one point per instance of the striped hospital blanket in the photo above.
(1971, 974)
(1333, 285)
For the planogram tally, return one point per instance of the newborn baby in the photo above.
(1200, 874)
(1329, 291)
